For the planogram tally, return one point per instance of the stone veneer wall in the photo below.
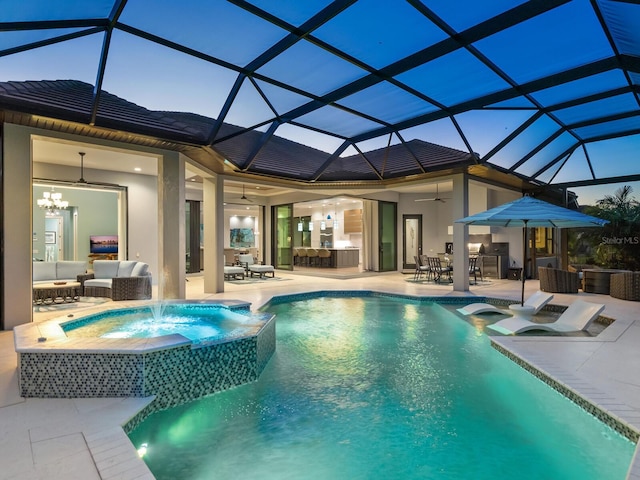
(174, 375)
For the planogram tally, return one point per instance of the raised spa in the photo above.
(176, 351)
(197, 322)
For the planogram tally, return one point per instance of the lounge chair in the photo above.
(578, 316)
(537, 301)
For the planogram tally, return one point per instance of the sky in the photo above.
(590, 195)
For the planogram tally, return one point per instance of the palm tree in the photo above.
(617, 244)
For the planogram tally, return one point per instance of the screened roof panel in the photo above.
(565, 37)
(337, 121)
(454, 78)
(513, 103)
(304, 136)
(23, 37)
(561, 145)
(625, 150)
(598, 109)
(249, 107)
(463, 14)
(380, 32)
(575, 168)
(525, 142)
(197, 27)
(623, 19)
(363, 70)
(43, 10)
(172, 80)
(586, 86)
(440, 132)
(549, 174)
(485, 129)
(281, 99)
(317, 71)
(53, 62)
(388, 103)
(631, 125)
(378, 142)
(294, 12)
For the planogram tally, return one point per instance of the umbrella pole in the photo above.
(524, 259)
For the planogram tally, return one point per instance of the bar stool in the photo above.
(312, 255)
(303, 260)
(324, 257)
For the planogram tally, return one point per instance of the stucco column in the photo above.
(460, 233)
(213, 204)
(171, 227)
(16, 228)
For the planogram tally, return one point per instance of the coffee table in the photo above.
(48, 293)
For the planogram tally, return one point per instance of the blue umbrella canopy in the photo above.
(528, 212)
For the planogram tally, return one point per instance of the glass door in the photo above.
(387, 221)
(282, 231)
(412, 240)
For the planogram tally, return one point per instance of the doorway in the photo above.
(411, 240)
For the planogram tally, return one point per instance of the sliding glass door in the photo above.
(282, 231)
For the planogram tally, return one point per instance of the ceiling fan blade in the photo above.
(426, 199)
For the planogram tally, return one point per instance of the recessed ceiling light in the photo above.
(137, 169)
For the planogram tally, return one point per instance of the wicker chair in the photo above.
(134, 284)
(626, 286)
(555, 280)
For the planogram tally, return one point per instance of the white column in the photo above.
(17, 212)
(460, 233)
(213, 205)
(171, 227)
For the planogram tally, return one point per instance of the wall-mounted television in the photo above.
(103, 244)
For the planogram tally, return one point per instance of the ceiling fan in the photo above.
(244, 198)
(437, 198)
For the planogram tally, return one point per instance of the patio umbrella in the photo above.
(529, 212)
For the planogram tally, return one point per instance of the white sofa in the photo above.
(118, 280)
(62, 271)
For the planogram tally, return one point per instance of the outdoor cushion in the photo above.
(98, 282)
(105, 268)
(125, 268)
(44, 271)
(69, 269)
(140, 269)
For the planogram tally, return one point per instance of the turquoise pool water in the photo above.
(382, 388)
(197, 322)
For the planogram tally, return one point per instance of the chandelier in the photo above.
(52, 201)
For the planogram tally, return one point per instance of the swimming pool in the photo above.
(197, 322)
(382, 387)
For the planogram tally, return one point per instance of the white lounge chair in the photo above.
(578, 316)
(537, 301)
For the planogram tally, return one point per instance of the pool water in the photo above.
(195, 322)
(382, 388)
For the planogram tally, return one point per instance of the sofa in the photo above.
(62, 271)
(118, 280)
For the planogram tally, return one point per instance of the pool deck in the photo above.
(82, 439)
